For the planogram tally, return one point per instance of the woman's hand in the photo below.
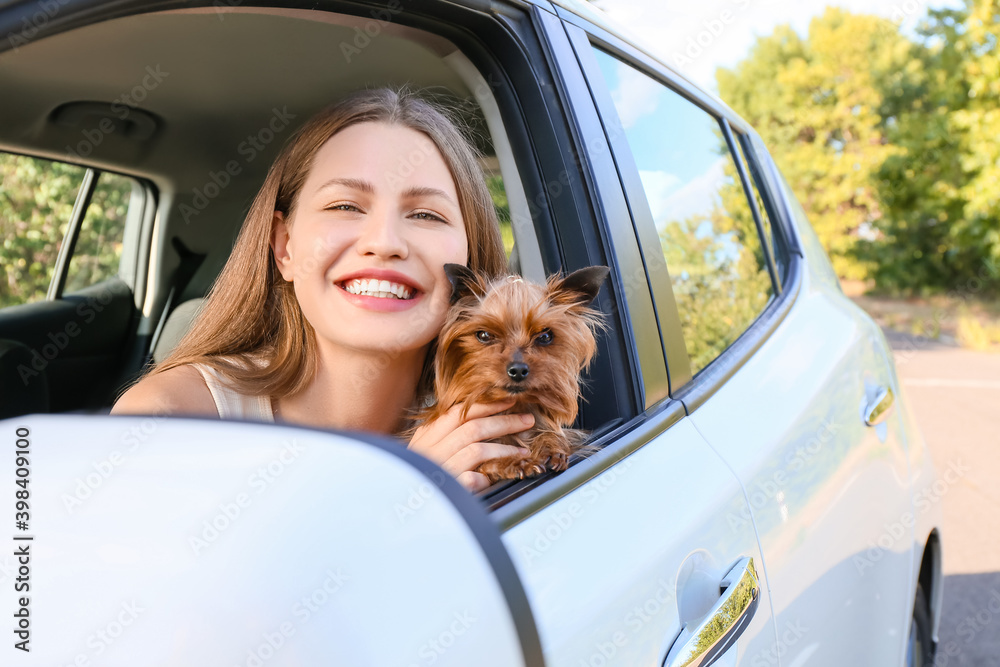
(460, 446)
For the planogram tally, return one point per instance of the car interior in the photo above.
(191, 106)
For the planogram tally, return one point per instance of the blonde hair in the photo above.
(251, 328)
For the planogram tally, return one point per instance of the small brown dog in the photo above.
(512, 339)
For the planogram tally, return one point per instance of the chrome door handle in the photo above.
(878, 409)
(724, 623)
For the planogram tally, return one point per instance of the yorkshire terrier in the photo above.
(509, 338)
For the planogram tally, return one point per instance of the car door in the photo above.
(776, 371)
(632, 556)
(168, 541)
(829, 477)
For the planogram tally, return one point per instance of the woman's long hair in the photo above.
(251, 327)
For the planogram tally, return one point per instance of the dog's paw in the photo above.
(558, 461)
(512, 468)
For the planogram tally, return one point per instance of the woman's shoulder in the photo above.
(180, 390)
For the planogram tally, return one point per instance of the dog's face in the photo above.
(511, 338)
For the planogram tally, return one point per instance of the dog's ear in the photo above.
(581, 286)
(464, 281)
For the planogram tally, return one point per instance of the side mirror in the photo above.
(170, 541)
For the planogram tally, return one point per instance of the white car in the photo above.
(761, 495)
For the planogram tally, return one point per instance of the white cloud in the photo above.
(697, 196)
(657, 185)
(635, 95)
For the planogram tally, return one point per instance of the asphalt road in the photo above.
(955, 397)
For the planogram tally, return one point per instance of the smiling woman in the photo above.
(328, 308)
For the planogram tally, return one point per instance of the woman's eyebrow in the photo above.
(426, 191)
(353, 183)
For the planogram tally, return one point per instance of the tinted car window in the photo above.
(704, 222)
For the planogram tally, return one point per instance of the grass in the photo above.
(970, 322)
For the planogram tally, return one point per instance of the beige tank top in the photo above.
(230, 403)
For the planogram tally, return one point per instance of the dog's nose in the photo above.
(517, 371)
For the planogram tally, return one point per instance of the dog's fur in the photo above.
(471, 367)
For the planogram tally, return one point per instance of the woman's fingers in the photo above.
(461, 445)
(474, 482)
(451, 420)
(471, 456)
(477, 431)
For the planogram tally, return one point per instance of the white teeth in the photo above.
(382, 289)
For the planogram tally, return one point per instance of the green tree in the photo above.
(941, 191)
(816, 103)
(36, 204)
(36, 201)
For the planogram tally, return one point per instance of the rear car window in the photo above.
(704, 222)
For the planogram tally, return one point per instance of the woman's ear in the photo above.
(279, 246)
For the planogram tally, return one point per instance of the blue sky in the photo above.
(721, 32)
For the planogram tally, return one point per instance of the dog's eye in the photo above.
(544, 338)
(484, 336)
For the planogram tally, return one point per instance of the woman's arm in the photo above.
(178, 391)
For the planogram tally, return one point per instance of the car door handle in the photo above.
(878, 408)
(724, 624)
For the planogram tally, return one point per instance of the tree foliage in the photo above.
(36, 204)
(890, 142)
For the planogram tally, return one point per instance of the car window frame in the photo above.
(658, 413)
(690, 389)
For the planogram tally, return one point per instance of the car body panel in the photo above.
(823, 487)
(615, 568)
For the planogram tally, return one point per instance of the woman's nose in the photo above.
(381, 235)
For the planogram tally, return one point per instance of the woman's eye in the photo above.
(342, 207)
(544, 338)
(484, 336)
(425, 215)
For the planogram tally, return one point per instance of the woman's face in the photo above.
(373, 226)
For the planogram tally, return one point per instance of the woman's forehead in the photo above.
(381, 157)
